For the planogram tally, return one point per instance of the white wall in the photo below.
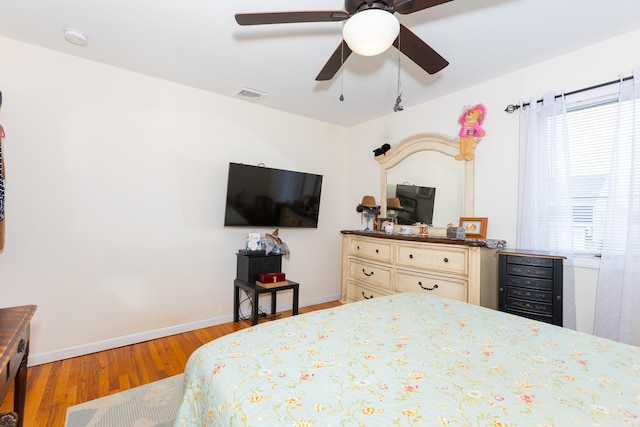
(116, 188)
(115, 199)
(496, 167)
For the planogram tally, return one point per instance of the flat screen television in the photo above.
(258, 196)
(418, 203)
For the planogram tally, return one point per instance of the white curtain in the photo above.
(544, 204)
(618, 297)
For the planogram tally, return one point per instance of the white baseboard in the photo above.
(66, 353)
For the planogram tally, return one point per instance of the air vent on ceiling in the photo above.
(251, 94)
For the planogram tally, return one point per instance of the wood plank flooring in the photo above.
(53, 387)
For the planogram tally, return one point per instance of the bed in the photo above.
(406, 360)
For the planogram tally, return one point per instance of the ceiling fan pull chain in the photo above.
(341, 72)
(398, 107)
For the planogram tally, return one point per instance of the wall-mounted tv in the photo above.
(418, 203)
(258, 196)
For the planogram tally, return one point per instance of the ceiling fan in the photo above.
(355, 10)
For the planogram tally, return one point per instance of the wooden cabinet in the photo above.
(15, 326)
(530, 285)
(377, 264)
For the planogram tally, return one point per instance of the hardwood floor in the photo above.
(53, 387)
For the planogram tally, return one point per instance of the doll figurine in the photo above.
(470, 121)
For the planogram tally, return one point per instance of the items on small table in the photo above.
(256, 273)
(271, 280)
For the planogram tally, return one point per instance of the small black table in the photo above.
(255, 291)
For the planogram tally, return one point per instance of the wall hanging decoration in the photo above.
(471, 130)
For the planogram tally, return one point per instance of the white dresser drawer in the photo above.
(355, 292)
(449, 288)
(433, 257)
(369, 273)
(379, 249)
(379, 264)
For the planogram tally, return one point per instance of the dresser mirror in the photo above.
(427, 160)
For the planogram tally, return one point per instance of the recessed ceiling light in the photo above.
(75, 36)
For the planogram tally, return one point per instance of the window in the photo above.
(591, 126)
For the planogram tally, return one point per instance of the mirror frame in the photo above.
(426, 141)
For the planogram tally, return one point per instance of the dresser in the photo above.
(376, 263)
(14, 352)
(530, 284)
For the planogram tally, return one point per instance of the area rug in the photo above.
(151, 405)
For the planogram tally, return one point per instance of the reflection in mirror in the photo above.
(429, 169)
(427, 160)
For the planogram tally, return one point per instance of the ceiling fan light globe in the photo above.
(370, 32)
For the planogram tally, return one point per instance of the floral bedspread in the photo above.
(411, 360)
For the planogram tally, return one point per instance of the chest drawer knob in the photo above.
(410, 256)
(21, 346)
(428, 289)
(446, 260)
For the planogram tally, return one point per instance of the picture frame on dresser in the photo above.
(475, 228)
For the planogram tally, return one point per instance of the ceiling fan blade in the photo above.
(291, 17)
(419, 52)
(409, 6)
(335, 62)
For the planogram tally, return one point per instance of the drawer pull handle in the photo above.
(377, 251)
(358, 247)
(410, 256)
(366, 297)
(446, 260)
(21, 346)
(428, 289)
(367, 274)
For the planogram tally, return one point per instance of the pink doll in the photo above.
(471, 121)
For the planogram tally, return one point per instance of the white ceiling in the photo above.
(198, 43)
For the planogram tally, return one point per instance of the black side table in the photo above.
(254, 291)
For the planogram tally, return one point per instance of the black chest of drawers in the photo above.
(530, 285)
(249, 266)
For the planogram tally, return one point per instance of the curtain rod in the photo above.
(513, 107)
